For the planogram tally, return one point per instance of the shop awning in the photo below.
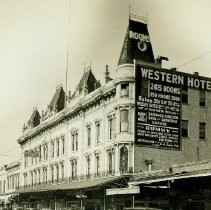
(73, 185)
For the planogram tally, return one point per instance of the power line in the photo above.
(196, 58)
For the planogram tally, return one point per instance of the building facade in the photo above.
(85, 143)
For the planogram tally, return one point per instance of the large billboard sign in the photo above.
(158, 108)
(158, 104)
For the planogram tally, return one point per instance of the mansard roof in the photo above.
(58, 100)
(35, 118)
(130, 50)
(88, 79)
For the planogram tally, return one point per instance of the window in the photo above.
(52, 149)
(32, 180)
(35, 177)
(202, 130)
(25, 179)
(97, 165)
(52, 173)
(125, 90)
(45, 151)
(73, 168)
(63, 145)
(144, 88)
(88, 162)
(39, 176)
(124, 122)
(40, 147)
(112, 125)
(26, 162)
(202, 98)
(110, 160)
(97, 129)
(88, 136)
(184, 95)
(123, 160)
(57, 147)
(57, 173)
(184, 128)
(74, 140)
(62, 171)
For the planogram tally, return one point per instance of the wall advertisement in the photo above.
(158, 108)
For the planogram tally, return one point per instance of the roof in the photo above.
(56, 97)
(87, 79)
(130, 50)
(73, 185)
(35, 118)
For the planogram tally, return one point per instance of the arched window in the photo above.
(57, 173)
(97, 164)
(52, 173)
(123, 159)
(88, 166)
(110, 167)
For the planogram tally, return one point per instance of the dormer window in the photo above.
(125, 90)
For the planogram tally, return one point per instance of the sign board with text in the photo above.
(158, 109)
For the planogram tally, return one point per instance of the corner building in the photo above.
(84, 143)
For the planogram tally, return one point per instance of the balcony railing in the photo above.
(76, 178)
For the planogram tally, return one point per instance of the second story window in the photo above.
(52, 173)
(57, 142)
(125, 90)
(45, 151)
(124, 120)
(62, 171)
(88, 164)
(202, 98)
(202, 130)
(40, 150)
(184, 128)
(63, 145)
(112, 126)
(74, 139)
(97, 164)
(52, 149)
(184, 95)
(97, 130)
(88, 135)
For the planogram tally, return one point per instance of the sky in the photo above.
(35, 36)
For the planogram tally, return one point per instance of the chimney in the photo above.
(196, 73)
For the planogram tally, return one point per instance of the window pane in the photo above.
(202, 126)
(202, 98)
(184, 128)
(125, 90)
(184, 95)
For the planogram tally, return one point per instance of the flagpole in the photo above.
(67, 55)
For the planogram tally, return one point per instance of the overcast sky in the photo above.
(34, 43)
